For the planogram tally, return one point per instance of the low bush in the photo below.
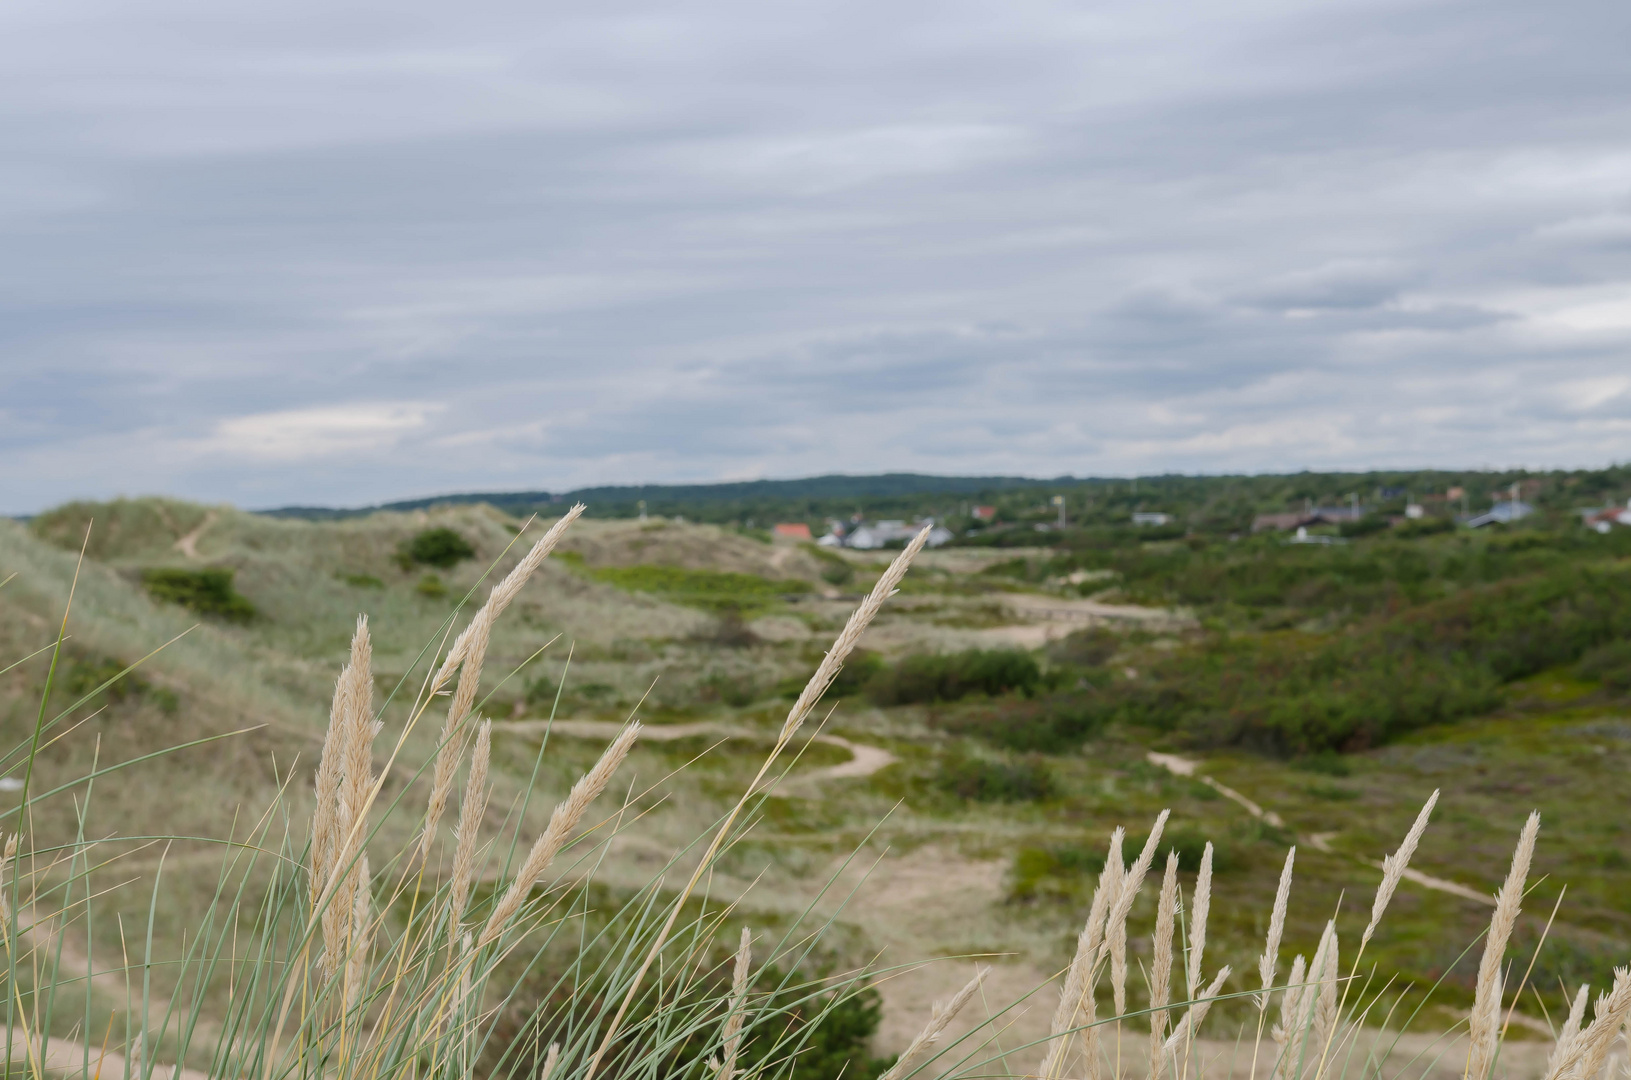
(207, 592)
(439, 547)
(431, 587)
(733, 690)
(1608, 664)
(927, 677)
(982, 780)
(1049, 725)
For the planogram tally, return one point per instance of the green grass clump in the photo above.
(207, 592)
(983, 780)
(711, 590)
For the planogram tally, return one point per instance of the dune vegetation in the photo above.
(645, 798)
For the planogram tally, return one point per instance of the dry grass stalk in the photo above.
(733, 1019)
(1323, 1025)
(471, 810)
(552, 1056)
(562, 822)
(362, 935)
(451, 745)
(1197, 922)
(1161, 964)
(1128, 884)
(1277, 929)
(1183, 1036)
(355, 679)
(1590, 1049)
(1484, 1024)
(1076, 993)
(941, 1015)
(1393, 868)
(1291, 1009)
(343, 790)
(1564, 1053)
(467, 655)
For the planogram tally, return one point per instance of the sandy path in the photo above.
(1180, 766)
(864, 760)
(188, 545)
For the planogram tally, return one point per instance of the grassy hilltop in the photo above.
(998, 722)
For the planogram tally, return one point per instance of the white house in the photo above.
(1502, 513)
(868, 537)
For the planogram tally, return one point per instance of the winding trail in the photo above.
(188, 545)
(864, 760)
(1181, 766)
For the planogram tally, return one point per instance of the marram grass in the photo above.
(321, 953)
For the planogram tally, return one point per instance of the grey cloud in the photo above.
(644, 243)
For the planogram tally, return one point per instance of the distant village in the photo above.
(1310, 525)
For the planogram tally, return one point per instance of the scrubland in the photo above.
(945, 807)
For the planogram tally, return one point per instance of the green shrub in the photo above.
(861, 668)
(361, 581)
(207, 592)
(835, 569)
(733, 690)
(1057, 872)
(1608, 664)
(540, 692)
(440, 547)
(980, 780)
(927, 677)
(431, 587)
(84, 675)
(1369, 525)
(1049, 725)
(1424, 526)
(1188, 844)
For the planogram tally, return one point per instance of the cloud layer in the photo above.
(343, 253)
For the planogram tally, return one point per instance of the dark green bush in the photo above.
(83, 675)
(1328, 762)
(1048, 725)
(540, 692)
(361, 581)
(926, 677)
(980, 780)
(207, 592)
(1189, 844)
(1369, 525)
(1608, 664)
(440, 547)
(733, 690)
(862, 666)
(1057, 872)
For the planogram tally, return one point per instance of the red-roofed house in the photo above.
(796, 530)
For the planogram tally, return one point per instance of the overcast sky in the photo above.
(331, 253)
